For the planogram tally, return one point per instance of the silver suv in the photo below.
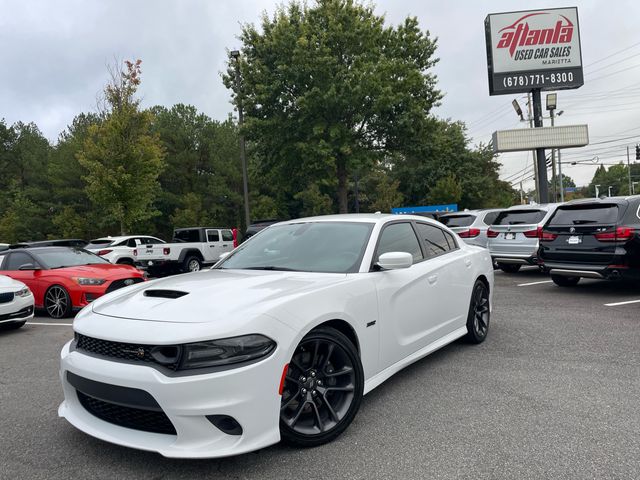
(515, 235)
(471, 225)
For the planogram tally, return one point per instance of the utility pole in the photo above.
(243, 154)
(521, 195)
(535, 164)
(543, 189)
(560, 175)
(629, 170)
(553, 162)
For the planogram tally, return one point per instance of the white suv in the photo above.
(120, 249)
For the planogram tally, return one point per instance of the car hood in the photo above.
(8, 284)
(212, 295)
(107, 271)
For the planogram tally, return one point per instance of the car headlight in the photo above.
(89, 281)
(226, 351)
(23, 292)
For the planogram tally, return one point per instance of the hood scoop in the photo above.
(158, 293)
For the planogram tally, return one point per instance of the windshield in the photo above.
(68, 257)
(458, 220)
(329, 247)
(520, 217)
(585, 214)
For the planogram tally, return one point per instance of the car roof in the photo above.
(616, 200)
(205, 228)
(120, 237)
(359, 217)
(537, 206)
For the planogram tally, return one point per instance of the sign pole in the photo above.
(543, 189)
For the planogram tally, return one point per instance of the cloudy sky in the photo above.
(54, 55)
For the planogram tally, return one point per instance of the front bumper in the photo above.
(248, 394)
(18, 310)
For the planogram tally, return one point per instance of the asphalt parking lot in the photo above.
(552, 393)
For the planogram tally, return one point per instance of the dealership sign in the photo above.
(521, 139)
(536, 49)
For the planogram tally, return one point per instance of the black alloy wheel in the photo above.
(57, 302)
(479, 313)
(509, 267)
(322, 389)
(562, 281)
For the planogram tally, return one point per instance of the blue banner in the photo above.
(452, 207)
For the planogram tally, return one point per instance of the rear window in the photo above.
(585, 214)
(458, 220)
(99, 243)
(520, 217)
(490, 218)
(187, 236)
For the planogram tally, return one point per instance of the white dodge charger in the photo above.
(280, 340)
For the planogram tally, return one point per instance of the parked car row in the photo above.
(587, 238)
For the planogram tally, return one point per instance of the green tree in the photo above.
(122, 157)
(446, 190)
(329, 88)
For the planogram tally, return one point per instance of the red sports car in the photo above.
(64, 279)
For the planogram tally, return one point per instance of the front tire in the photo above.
(509, 267)
(57, 302)
(565, 281)
(479, 313)
(322, 390)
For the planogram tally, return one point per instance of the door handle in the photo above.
(432, 279)
(224, 245)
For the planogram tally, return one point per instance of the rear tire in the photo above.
(565, 281)
(509, 267)
(322, 390)
(192, 264)
(479, 314)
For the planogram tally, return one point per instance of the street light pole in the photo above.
(597, 191)
(243, 154)
(609, 190)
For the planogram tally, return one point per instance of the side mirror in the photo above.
(28, 266)
(395, 260)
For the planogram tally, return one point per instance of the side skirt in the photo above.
(379, 378)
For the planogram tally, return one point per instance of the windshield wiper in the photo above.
(61, 266)
(271, 267)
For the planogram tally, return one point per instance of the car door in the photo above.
(227, 240)
(450, 265)
(405, 296)
(213, 248)
(30, 275)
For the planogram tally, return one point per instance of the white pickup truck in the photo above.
(191, 249)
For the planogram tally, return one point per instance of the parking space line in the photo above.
(46, 323)
(534, 283)
(621, 303)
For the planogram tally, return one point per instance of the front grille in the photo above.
(128, 417)
(6, 297)
(125, 282)
(25, 312)
(129, 352)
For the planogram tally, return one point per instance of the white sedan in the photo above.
(280, 340)
(16, 303)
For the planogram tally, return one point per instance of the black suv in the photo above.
(592, 238)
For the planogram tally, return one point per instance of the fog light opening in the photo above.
(225, 424)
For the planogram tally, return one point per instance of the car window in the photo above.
(186, 236)
(520, 217)
(150, 240)
(434, 239)
(132, 242)
(585, 214)
(490, 218)
(16, 259)
(399, 237)
(227, 235)
(450, 240)
(304, 247)
(213, 236)
(458, 220)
